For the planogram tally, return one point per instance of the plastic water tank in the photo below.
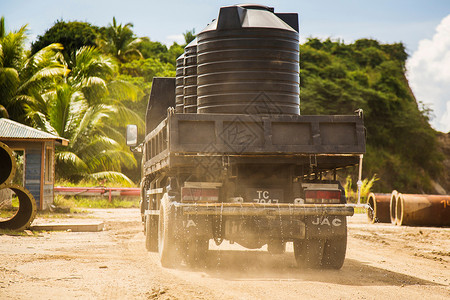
(190, 77)
(179, 85)
(248, 63)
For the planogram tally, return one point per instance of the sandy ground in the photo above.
(383, 262)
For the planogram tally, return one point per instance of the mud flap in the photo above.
(325, 226)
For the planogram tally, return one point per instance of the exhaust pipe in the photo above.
(378, 211)
(26, 213)
(423, 210)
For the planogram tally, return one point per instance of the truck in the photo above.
(228, 156)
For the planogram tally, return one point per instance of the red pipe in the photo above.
(97, 190)
(379, 208)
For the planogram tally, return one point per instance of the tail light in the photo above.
(190, 194)
(323, 196)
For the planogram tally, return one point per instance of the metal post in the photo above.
(359, 183)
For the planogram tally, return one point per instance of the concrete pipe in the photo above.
(26, 213)
(423, 210)
(393, 207)
(379, 208)
(7, 165)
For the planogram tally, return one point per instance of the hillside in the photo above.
(402, 148)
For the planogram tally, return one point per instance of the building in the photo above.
(38, 149)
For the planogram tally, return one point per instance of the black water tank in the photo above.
(179, 85)
(190, 77)
(248, 63)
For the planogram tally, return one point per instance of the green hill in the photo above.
(338, 78)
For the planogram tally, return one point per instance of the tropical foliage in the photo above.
(351, 190)
(24, 79)
(120, 41)
(75, 96)
(85, 108)
(72, 35)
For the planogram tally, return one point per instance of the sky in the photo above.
(422, 25)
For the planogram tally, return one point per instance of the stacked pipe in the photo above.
(409, 209)
(421, 210)
(27, 205)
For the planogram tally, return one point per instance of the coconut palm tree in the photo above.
(23, 79)
(120, 41)
(86, 108)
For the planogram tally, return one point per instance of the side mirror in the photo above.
(131, 135)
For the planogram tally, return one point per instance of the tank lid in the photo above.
(248, 16)
(256, 6)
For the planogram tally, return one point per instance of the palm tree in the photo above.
(189, 36)
(96, 150)
(83, 104)
(23, 79)
(120, 41)
(86, 109)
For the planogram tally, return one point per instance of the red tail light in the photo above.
(189, 194)
(323, 196)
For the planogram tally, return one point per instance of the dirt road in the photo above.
(383, 262)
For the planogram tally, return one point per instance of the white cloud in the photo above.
(179, 38)
(429, 74)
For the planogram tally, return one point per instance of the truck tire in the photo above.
(276, 247)
(308, 253)
(167, 241)
(196, 251)
(334, 251)
(151, 233)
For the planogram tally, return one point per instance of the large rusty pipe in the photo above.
(7, 165)
(393, 207)
(26, 213)
(24, 216)
(378, 211)
(423, 210)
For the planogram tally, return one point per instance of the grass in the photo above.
(7, 213)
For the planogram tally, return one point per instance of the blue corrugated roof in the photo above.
(14, 130)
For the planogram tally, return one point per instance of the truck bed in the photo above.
(337, 140)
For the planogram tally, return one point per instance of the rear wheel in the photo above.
(308, 253)
(167, 241)
(151, 233)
